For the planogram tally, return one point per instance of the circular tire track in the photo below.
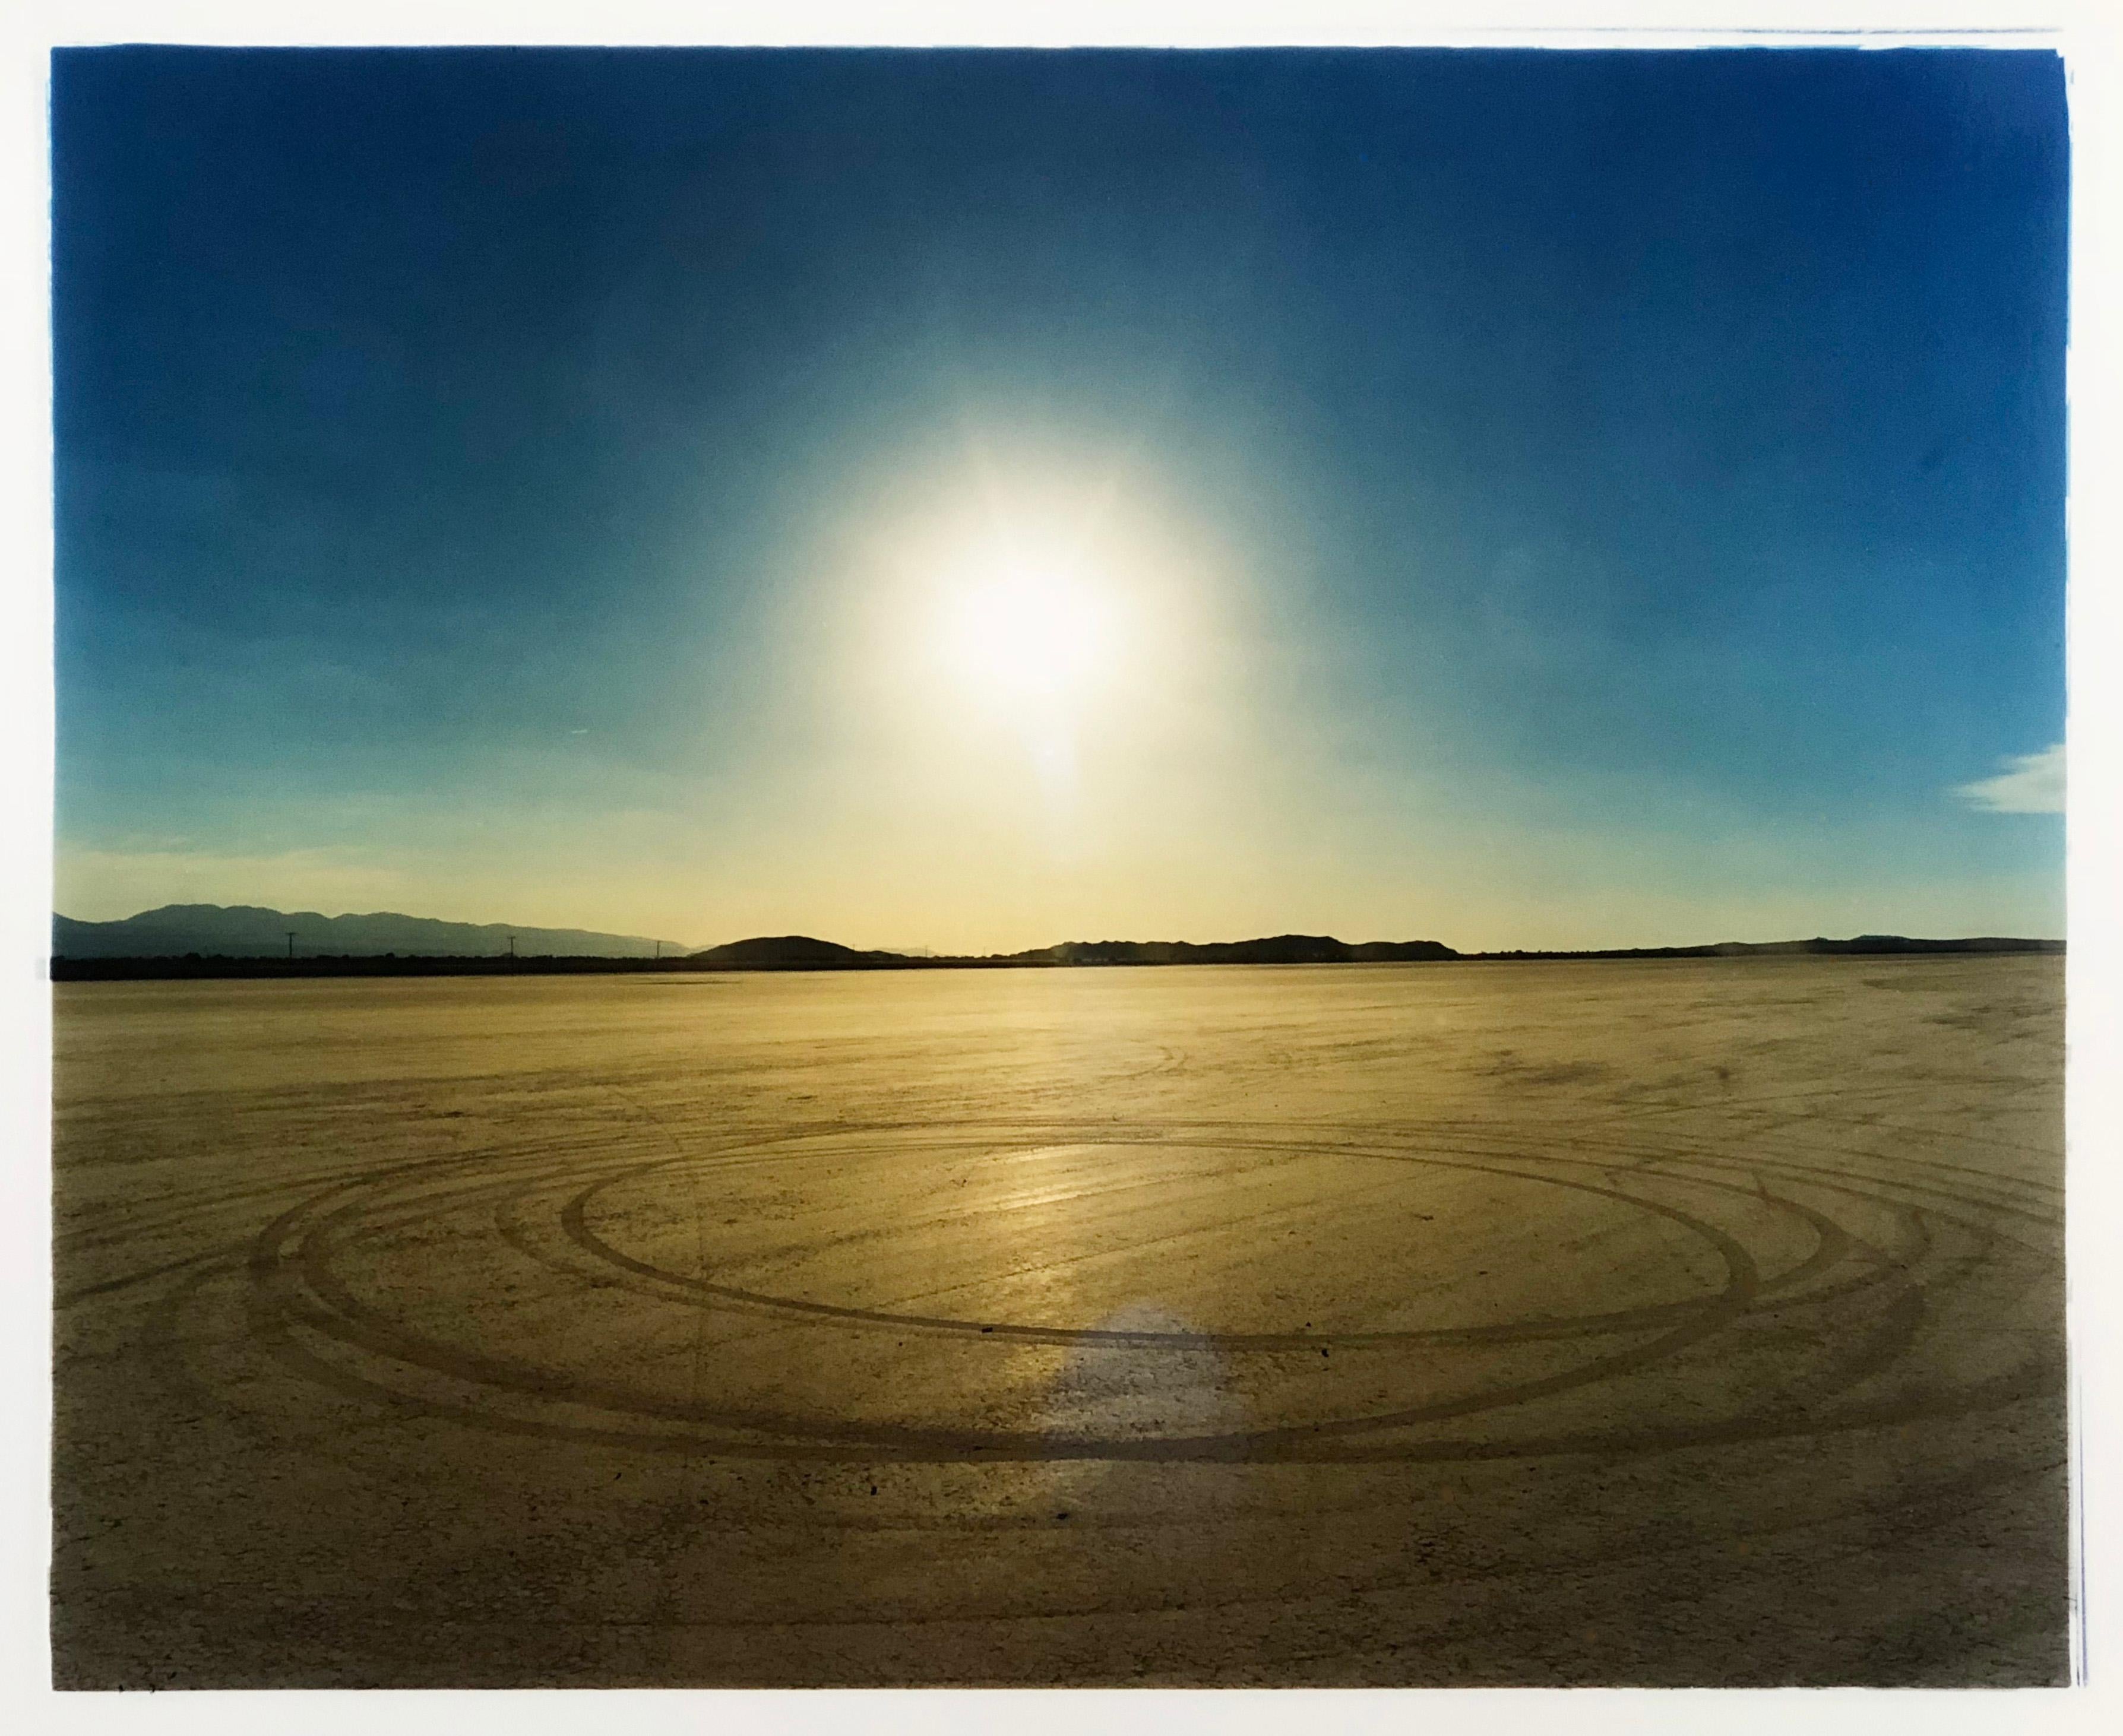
(305, 1301)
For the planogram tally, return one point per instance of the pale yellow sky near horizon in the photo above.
(915, 906)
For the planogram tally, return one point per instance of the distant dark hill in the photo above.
(794, 952)
(1859, 946)
(1400, 951)
(1277, 949)
(1869, 944)
(207, 940)
(803, 953)
(251, 931)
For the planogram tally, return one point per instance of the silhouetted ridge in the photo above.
(792, 953)
(1859, 946)
(253, 931)
(804, 952)
(1276, 949)
(181, 940)
(1867, 944)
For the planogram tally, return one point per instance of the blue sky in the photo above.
(1559, 498)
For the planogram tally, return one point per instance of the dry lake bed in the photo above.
(1659, 1322)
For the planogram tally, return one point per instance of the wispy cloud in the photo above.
(2031, 783)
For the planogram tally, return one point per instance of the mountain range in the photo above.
(189, 936)
(251, 931)
(802, 952)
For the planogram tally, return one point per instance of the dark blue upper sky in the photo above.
(1650, 466)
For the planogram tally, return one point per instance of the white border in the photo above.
(2087, 36)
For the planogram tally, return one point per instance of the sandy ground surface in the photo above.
(1688, 1322)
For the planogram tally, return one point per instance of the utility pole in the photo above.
(512, 947)
(291, 943)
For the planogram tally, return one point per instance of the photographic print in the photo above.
(897, 867)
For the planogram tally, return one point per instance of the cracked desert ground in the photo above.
(1660, 1322)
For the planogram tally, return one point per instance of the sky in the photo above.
(977, 500)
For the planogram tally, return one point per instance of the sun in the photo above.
(1028, 636)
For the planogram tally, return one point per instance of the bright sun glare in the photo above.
(1029, 636)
